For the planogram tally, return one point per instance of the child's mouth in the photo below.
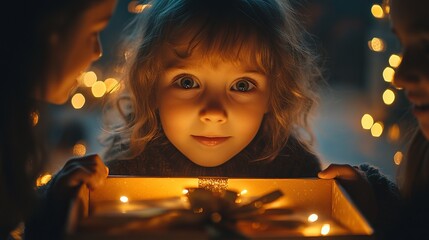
(210, 141)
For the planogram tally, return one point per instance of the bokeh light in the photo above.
(388, 74)
(377, 129)
(395, 60)
(89, 78)
(43, 179)
(34, 117)
(388, 97)
(377, 11)
(78, 100)
(367, 121)
(98, 89)
(394, 132)
(376, 44)
(397, 158)
(112, 85)
(79, 149)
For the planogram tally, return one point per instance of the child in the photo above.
(219, 88)
(410, 21)
(45, 53)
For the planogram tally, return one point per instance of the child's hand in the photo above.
(89, 170)
(357, 186)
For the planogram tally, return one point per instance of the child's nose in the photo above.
(213, 113)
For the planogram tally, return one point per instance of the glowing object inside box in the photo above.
(123, 199)
(313, 217)
(325, 229)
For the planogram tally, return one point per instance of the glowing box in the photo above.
(139, 207)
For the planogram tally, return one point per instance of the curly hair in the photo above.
(263, 33)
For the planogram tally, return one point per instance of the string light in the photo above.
(388, 74)
(377, 129)
(377, 11)
(34, 117)
(397, 158)
(394, 132)
(367, 121)
(376, 44)
(43, 179)
(388, 97)
(89, 78)
(395, 60)
(112, 85)
(78, 100)
(79, 149)
(98, 89)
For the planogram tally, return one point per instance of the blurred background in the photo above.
(361, 118)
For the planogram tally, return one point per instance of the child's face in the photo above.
(410, 22)
(210, 111)
(74, 52)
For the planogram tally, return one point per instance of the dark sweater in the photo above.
(294, 161)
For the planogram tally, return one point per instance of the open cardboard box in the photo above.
(100, 214)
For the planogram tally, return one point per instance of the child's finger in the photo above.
(91, 162)
(77, 176)
(340, 171)
(82, 175)
(89, 170)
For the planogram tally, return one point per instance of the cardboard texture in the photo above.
(100, 214)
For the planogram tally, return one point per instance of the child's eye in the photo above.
(243, 86)
(186, 82)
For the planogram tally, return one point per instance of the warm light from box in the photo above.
(320, 206)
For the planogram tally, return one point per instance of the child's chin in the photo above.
(205, 162)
